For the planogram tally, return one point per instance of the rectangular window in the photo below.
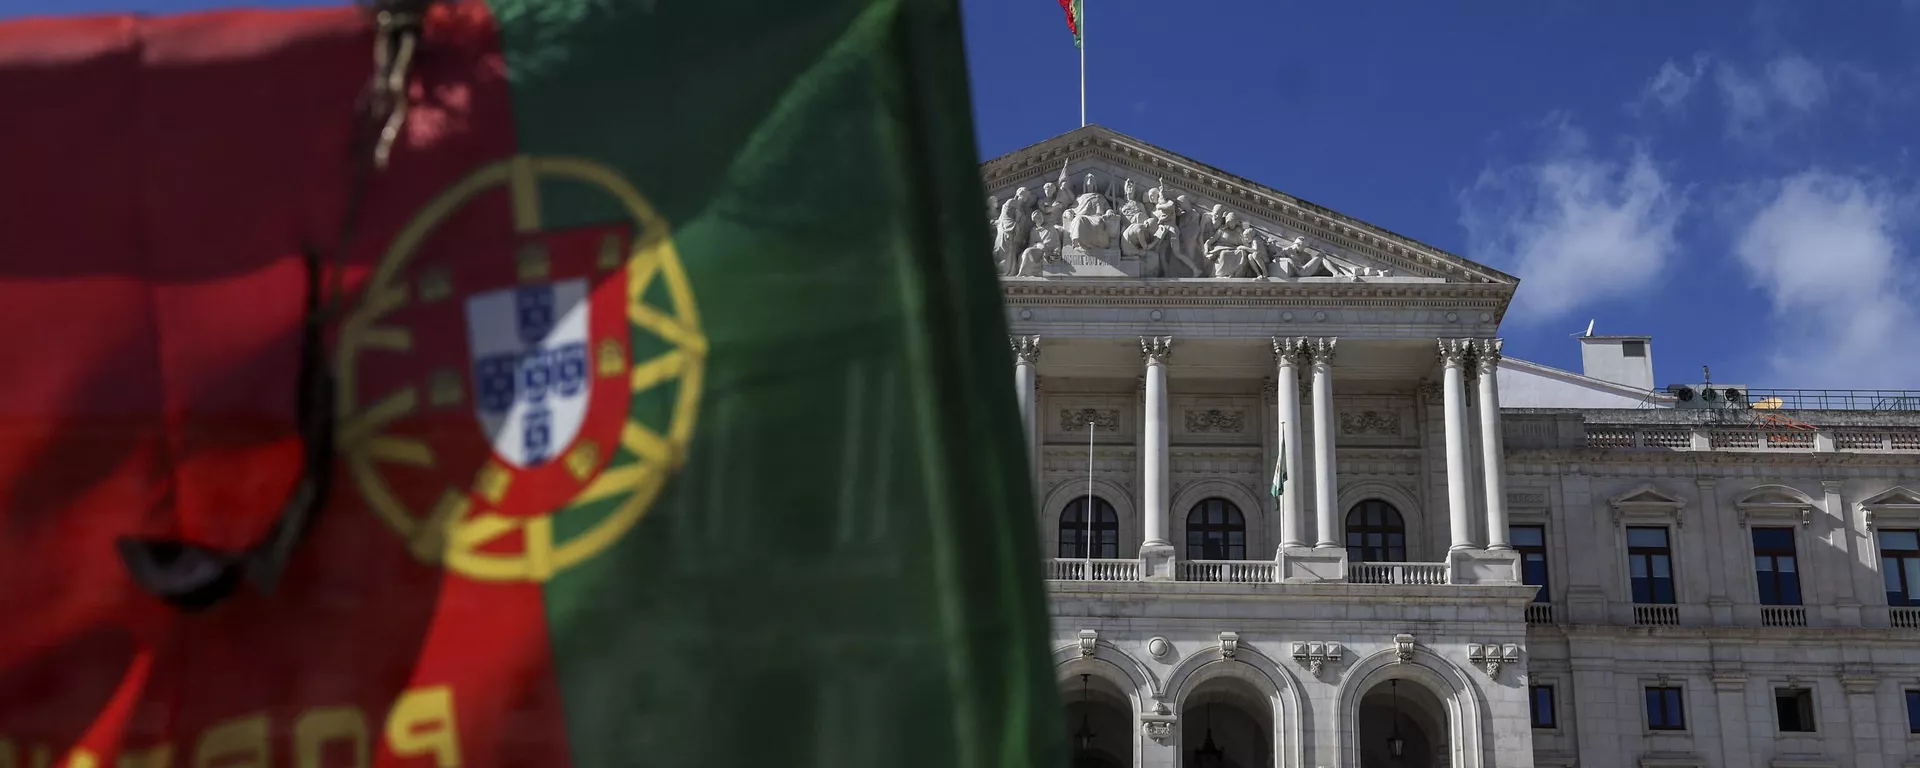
(1650, 563)
(1665, 712)
(1913, 711)
(1900, 566)
(1775, 569)
(1633, 349)
(1531, 542)
(1794, 708)
(1541, 706)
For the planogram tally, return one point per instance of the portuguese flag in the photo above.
(571, 382)
(1072, 7)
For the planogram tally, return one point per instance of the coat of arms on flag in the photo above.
(573, 358)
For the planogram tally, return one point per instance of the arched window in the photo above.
(1216, 531)
(1073, 529)
(1375, 533)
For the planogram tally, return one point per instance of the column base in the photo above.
(1156, 562)
(1484, 566)
(1309, 565)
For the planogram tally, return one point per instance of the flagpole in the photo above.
(1089, 510)
(1082, 21)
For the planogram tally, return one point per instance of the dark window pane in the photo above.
(1913, 711)
(1542, 706)
(1773, 539)
(1074, 524)
(1527, 535)
(1647, 537)
(1375, 533)
(1908, 540)
(1215, 531)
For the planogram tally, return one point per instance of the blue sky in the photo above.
(1735, 178)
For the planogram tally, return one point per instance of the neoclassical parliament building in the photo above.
(1475, 560)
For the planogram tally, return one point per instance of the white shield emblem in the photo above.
(529, 350)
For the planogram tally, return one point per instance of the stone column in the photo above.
(1325, 491)
(1026, 383)
(1293, 521)
(1157, 551)
(1493, 457)
(1453, 358)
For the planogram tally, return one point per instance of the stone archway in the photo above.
(1407, 712)
(1229, 718)
(1099, 721)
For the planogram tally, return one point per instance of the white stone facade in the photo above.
(1379, 377)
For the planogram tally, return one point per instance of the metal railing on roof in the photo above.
(1834, 399)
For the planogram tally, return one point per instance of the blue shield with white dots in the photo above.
(530, 368)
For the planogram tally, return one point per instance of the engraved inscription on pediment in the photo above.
(1096, 220)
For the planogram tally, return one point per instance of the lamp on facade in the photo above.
(1396, 746)
(1209, 755)
(1083, 738)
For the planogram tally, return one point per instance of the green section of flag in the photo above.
(845, 572)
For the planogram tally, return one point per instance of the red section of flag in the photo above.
(162, 177)
(1073, 21)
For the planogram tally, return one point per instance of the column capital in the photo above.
(1287, 350)
(1455, 352)
(1156, 349)
(1026, 349)
(1486, 355)
(1320, 350)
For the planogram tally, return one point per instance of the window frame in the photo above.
(1646, 706)
(1912, 696)
(1910, 590)
(1100, 508)
(1399, 526)
(1553, 706)
(1673, 580)
(1544, 550)
(1234, 522)
(1791, 551)
(1804, 703)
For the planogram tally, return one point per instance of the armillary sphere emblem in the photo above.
(514, 398)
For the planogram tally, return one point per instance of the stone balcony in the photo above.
(1301, 565)
(1673, 430)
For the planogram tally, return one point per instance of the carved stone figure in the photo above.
(1011, 230)
(1295, 259)
(1044, 246)
(1092, 222)
(1144, 239)
(1191, 221)
(1234, 250)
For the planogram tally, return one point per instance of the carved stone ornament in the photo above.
(1370, 423)
(1156, 349)
(1159, 649)
(1216, 420)
(1430, 390)
(1455, 352)
(1315, 655)
(1229, 644)
(1321, 350)
(1026, 349)
(1287, 350)
(1486, 355)
(1088, 639)
(1104, 419)
(1158, 729)
(1403, 648)
(1491, 655)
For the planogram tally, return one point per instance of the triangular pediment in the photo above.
(1647, 496)
(1896, 496)
(1126, 206)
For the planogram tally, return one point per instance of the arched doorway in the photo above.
(1100, 723)
(1403, 725)
(1226, 723)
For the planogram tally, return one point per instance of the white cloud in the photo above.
(1759, 105)
(1576, 227)
(1825, 248)
(1672, 84)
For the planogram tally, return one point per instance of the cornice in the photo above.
(1385, 247)
(1593, 456)
(1095, 291)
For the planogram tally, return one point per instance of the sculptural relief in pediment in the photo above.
(1101, 222)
